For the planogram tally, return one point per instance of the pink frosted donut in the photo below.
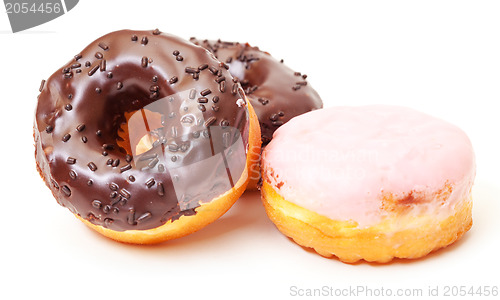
(371, 182)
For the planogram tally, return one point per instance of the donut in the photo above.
(141, 140)
(276, 92)
(369, 183)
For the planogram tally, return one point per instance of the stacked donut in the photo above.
(146, 137)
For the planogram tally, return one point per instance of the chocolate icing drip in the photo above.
(277, 93)
(129, 86)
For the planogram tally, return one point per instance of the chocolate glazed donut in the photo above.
(129, 137)
(276, 92)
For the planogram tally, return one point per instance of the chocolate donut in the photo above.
(276, 92)
(131, 139)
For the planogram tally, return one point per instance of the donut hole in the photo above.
(135, 135)
(144, 145)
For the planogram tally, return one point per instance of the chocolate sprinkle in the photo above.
(222, 86)
(263, 101)
(205, 92)
(153, 163)
(192, 94)
(144, 62)
(124, 193)
(93, 70)
(80, 127)
(103, 46)
(92, 166)
(131, 217)
(66, 190)
(144, 217)
(213, 70)
(54, 184)
(96, 204)
(160, 189)
(113, 186)
(102, 66)
(150, 183)
(210, 121)
(191, 70)
(125, 168)
(173, 79)
(108, 146)
(116, 163)
(234, 89)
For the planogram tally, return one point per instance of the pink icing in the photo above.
(339, 161)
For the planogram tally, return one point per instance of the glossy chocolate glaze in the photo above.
(93, 111)
(277, 93)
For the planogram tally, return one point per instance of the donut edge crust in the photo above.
(205, 213)
(253, 183)
(373, 244)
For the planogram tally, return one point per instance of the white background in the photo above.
(440, 57)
